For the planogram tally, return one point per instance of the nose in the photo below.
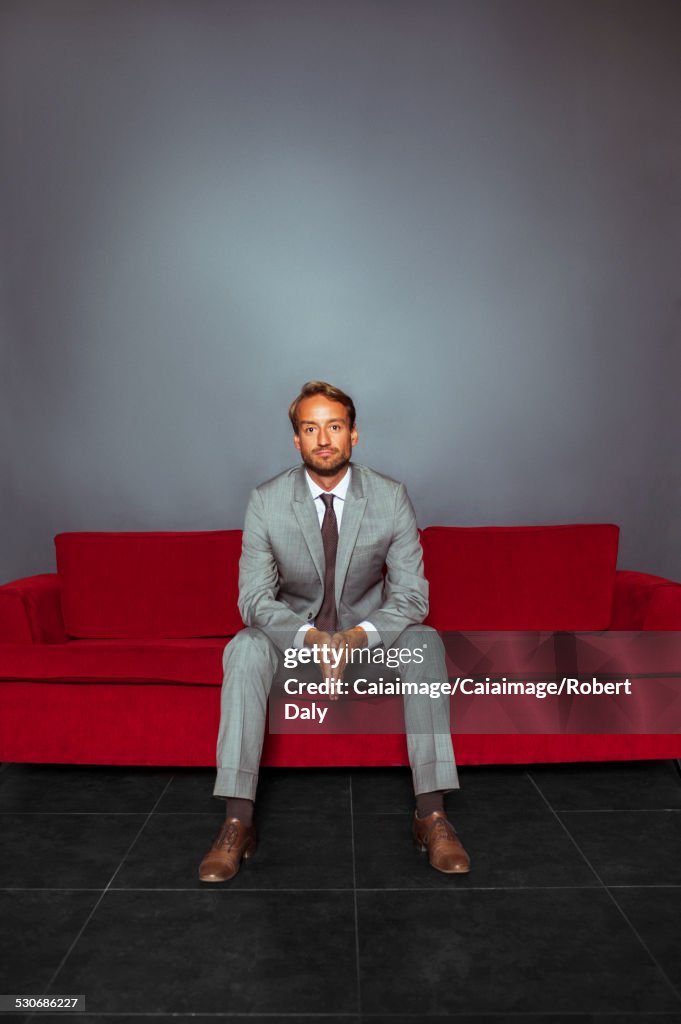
(324, 441)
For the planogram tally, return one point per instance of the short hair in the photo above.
(320, 387)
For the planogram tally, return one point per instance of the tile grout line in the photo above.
(102, 894)
(607, 889)
(617, 810)
(354, 896)
(401, 888)
(498, 1017)
(360, 814)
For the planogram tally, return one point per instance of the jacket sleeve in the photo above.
(259, 581)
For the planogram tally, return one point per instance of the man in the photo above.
(316, 541)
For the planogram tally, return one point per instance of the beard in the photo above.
(326, 467)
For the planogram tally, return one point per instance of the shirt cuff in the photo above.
(373, 636)
(299, 638)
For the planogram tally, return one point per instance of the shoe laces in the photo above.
(229, 833)
(442, 829)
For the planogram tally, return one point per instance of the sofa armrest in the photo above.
(642, 601)
(664, 610)
(30, 611)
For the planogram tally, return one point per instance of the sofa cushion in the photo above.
(521, 577)
(196, 661)
(149, 584)
(14, 624)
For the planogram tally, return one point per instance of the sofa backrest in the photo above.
(521, 577)
(149, 584)
(185, 584)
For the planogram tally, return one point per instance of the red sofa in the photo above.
(117, 657)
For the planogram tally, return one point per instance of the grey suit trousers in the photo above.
(252, 661)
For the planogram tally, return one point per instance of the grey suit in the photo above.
(281, 575)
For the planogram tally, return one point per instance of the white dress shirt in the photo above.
(339, 492)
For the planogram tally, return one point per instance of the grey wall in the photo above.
(467, 213)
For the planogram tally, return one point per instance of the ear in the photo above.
(296, 442)
(354, 436)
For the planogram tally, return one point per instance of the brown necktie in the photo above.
(326, 619)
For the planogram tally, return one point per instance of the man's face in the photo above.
(324, 437)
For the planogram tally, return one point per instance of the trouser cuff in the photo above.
(438, 775)
(235, 782)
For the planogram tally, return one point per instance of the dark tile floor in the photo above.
(572, 912)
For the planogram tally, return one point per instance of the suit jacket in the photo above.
(281, 571)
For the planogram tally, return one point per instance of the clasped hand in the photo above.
(335, 650)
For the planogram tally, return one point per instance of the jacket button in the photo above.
(309, 616)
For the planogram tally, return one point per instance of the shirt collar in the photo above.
(339, 491)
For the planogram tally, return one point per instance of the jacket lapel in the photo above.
(353, 512)
(306, 514)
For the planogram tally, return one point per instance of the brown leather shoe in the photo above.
(223, 860)
(436, 835)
